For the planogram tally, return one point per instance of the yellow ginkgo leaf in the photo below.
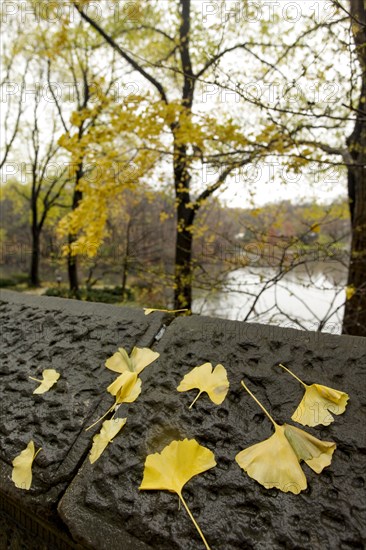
(124, 382)
(126, 389)
(275, 462)
(129, 390)
(177, 463)
(214, 382)
(147, 310)
(22, 467)
(138, 360)
(50, 377)
(318, 403)
(109, 430)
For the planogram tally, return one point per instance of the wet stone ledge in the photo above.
(73, 504)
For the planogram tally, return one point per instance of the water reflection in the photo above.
(306, 297)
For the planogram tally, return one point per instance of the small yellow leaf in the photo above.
(275, 462)
(214, 382)
(109, 430)
(138, 360)
(171, 469)
(50, 377)
(147, 311)
(178, 462)
(22, 467)
(318, 403)
(126, 388)
(350, 291)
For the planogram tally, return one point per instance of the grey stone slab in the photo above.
(75, 338)
(233, 510)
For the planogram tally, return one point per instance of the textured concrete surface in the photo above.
(100, 505)
(232, 509)
(75, 338)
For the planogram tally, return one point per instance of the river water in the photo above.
(305, 298)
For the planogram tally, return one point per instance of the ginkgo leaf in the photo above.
(126, 389)
(177, 463)
(147, 310)
(214, 382)
(22, 467)
(50, 377)
(275, 462)
(130, 390)
(124, 384)
(138, 360)
(318, 403)
(109, 430)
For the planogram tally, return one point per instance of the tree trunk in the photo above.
(125, 264)
(72, 270)
(72, 267)
(183, 260)
(34, 270)
(183, 275)
(354, 321)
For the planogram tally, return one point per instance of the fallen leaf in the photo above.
(126, 389)
(129, 390)
(275, 462)
(109, 430)
(22, 467)
(50, 377)
(147, 311)
(138, 360)
(171, 469)
(126, 386)
(318, 403)
(214, 382)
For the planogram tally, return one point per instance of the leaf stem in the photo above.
(101, 418)
(36, 379)
(195, 399)
(260, 404)
(36, 453)
(194, 522)
(294, 375)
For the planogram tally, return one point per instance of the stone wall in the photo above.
(73, 504)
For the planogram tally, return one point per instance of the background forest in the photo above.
(188, 154)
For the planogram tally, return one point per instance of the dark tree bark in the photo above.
(72, 266)
(126, 261)
(35, 258)
(185, 214)
(355, 311)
